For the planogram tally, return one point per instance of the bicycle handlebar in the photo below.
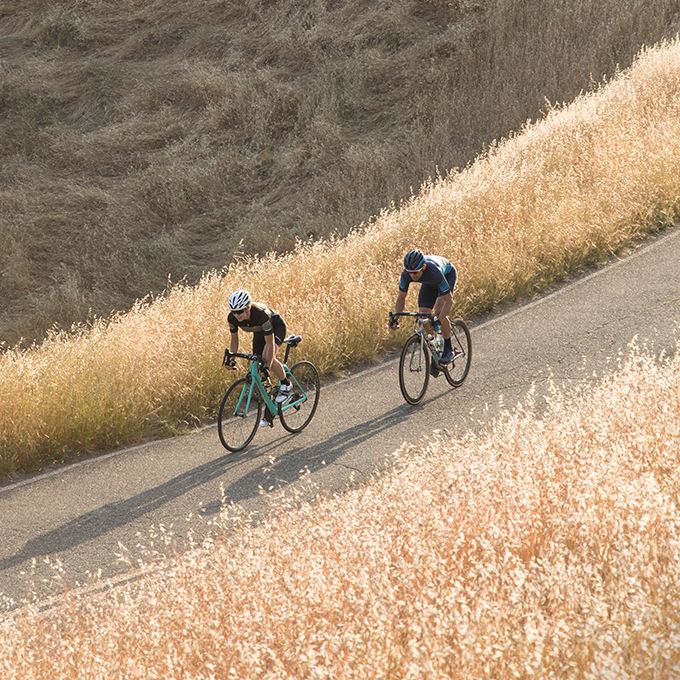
(392, 319)
(422, 315)
(242, 355)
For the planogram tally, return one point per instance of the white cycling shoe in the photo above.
(283, 393)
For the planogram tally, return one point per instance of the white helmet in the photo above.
(239, 300)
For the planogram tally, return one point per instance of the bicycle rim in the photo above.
(299, 409)
(414, 370)
(237, 421)
(457, 370)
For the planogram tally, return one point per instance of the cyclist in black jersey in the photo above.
(437, 277)
(269, 331)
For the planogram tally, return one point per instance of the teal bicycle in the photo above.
(251, 399)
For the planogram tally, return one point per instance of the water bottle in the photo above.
(436, 344)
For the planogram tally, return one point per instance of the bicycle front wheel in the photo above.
(461, 343)
(238, 420)
(414, 369)
(298, 410)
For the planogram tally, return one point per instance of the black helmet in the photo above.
(414, 260)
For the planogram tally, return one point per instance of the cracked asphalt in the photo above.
(79, 516)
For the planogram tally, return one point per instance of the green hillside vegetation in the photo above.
(142, 139)
(567, 191)
(541, 548)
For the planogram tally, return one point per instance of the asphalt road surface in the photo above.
(79, 515)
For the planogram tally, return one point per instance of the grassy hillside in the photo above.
(569, 190)
(542, 548)
(142, 139)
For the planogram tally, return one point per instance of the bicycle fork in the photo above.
(421, 353)
(243, 404)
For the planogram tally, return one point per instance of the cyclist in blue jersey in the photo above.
(437, 279)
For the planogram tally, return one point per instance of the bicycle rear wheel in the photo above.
(298, 410)
(414, 369)
(461, 343)
(237, 421)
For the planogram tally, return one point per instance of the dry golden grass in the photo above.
(140, 139)
(544, 547)
(567, 191)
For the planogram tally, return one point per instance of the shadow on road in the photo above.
(288, 467)
(112, 515)
(284, 470)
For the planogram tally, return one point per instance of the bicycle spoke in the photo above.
(238, 419)
(461, 343)
(298, 410)
(414, 370)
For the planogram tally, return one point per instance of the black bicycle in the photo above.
(422, 351)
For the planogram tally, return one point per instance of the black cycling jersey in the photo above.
(262, 320)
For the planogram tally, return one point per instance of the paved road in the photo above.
(80, 514)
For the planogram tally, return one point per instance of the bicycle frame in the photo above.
(254, 380)
(423, 318)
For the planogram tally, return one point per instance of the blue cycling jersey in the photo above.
(435, 275)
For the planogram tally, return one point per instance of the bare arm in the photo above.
(233, 344)
(400, 302)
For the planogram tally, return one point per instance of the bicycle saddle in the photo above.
(293, 340)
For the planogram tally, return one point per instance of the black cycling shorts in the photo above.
(428, 294)
(279, 335)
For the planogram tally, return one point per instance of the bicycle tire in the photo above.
(237, 431)
(306, 374)
(457, 371)
(407, 367)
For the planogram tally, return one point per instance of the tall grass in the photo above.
(139, 138)
(544, 547)
(564, 192)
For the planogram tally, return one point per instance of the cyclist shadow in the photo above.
(284, 470)
(111, 516)
(301, 460)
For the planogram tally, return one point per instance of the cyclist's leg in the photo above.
(279, 335)
(430, 301)
(284, 389)
(442, 308)
(259, 340)
(426, 299)
(258, 344)
(444, 305)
